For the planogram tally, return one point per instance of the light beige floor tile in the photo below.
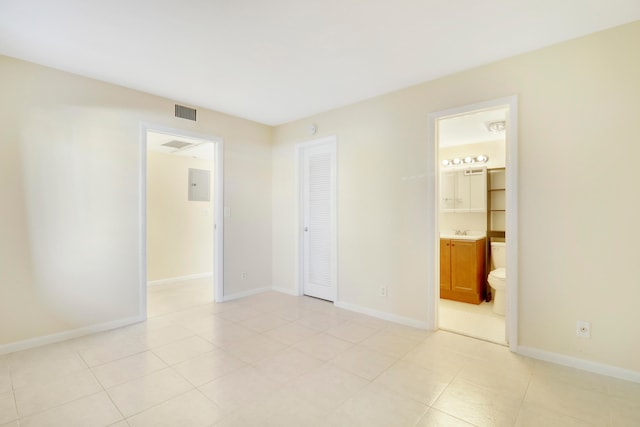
(390, 343)
(240, 387)
(161, 336)
(327, 386)
(435, 418)
(122, 423)
(127, 369)
(377, 406)
(137, 395)
(441, 340)
(264, 322)
(287, 364)
(624, 389)
(182, 350)
(319, 321)
(207, 367)
(323, 346)
(191, 409)
(223, 333)
(567, 399)
(372, 322)
(298, 414)
(5, 378)
(499, 378)
(39, 371)
(625, 412)
(8, 410)
(11, 424)
(36, 398)
(442, 360)
(532, 415)
(409, 332)
(364, 362)
(111, 350)
(94, 410)
(239, 314)
(352, 331)
(291, 333)
(478, 405)
(572, 376)
(254, 349)
(420, 384)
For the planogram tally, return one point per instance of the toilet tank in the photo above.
(498, 255)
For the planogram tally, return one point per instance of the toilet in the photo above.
(498, 276)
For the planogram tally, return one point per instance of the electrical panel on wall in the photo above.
(199, 185)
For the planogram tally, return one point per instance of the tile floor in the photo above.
(277, 360)
(472, 320)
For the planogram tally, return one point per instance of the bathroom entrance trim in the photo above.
(433, 248)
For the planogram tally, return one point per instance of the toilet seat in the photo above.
(499, 273)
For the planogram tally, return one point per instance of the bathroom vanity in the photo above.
(462, 268)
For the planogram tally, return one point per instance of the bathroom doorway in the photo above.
(473, 149)
(183, 241)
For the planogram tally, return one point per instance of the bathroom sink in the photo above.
(468, 236)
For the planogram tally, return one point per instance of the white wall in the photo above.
(179, 231)
(70, 169)
(579, 104)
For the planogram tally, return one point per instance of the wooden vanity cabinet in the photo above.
(462, 270)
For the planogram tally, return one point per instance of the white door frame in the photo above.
(433, 248)
(218, 209)
(300, 147)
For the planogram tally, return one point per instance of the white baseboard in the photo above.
(407, 321)
(180, 279)
(585, 365)
(245, 294)
(66, 335)
(286, 291)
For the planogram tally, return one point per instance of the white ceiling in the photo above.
(275, 61)
(470, 128)
(198, 148)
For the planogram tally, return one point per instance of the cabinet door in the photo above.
(463, 266)
(445, 264)
(478, 192)
(448, 191)
(463, 192)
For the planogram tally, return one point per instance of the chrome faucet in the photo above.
(461, 232)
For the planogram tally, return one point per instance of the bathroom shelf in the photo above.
(496, 212)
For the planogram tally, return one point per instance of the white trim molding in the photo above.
(179, 279)
(407, 321)
(583, 364)
(66, 335)
(292, 292)
(244, 294)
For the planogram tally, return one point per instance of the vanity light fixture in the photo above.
(467, 160)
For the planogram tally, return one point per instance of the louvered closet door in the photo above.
(319, 187)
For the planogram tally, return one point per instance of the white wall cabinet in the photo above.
(463, 190)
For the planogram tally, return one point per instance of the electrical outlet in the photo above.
(583, 329)
(383, 291)
(243, 275)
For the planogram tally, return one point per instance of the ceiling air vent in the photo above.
(177, 144)
(185, 112)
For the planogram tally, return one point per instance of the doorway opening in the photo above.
(182, 204)
(474, 220)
